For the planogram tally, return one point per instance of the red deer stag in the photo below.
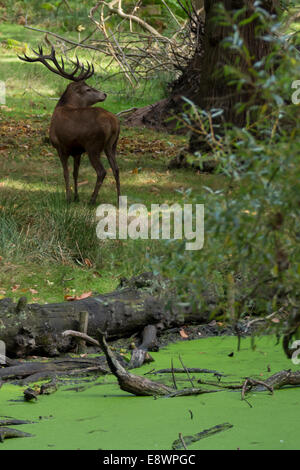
(77, 128)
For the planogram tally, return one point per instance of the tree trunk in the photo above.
(202, 81)
(143, 300)
(213, 91)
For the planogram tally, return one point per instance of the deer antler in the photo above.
(60, 69)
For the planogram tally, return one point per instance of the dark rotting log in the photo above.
(33, 371)
(33, 329)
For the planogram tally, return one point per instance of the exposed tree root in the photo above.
(128, 382)
(141, 386)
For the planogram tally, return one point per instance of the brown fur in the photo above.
(77, 128)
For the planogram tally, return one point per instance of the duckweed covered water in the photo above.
(98, 415)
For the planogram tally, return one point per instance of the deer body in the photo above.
(77, 128)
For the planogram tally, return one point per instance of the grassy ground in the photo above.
(47, 248)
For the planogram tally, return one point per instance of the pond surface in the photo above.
(96, 414)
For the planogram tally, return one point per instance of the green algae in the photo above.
(99, 415)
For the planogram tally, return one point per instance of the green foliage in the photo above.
(252, 227)
(59, 13)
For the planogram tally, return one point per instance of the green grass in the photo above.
(49, 249)
(32, 90)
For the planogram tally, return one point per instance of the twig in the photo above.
(79, 44)
(268, 317)
(187, 372)
(119, 11)
(249, 383)
(182, 441)
(43, 96)
(173, 375)
(126, 111)
(171, 13)
(124, 58)
(194, 370)
(78, 334)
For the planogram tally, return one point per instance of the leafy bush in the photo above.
(251, 255)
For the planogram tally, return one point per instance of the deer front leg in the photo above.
(64, 162)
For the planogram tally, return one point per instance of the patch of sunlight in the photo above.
(10, 58)
(18, 184)
(14, 84)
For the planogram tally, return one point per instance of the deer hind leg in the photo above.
(101, 173)
(75, 176)
(110, 152)
(64, 161)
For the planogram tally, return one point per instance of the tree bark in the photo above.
(28, 329)
(202, 81)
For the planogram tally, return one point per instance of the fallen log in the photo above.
(33, 329)
(141, 386)
(33, 371)
(185, 441)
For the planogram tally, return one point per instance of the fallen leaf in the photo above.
(78, 297)
(84, 295)
(15, 287)
(70, 297)
(183, 334)
(88, 262)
